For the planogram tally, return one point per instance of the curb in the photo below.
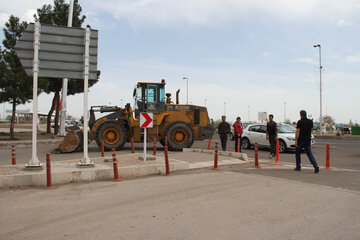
(68, 172)
(28, 143)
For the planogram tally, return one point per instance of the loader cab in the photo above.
(149, 97)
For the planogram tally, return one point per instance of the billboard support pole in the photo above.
(86, 162)
(34, 162)
(62, 131)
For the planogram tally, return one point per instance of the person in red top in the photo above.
(238, 131)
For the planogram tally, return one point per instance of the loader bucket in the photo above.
(72, 142)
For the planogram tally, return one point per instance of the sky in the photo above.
(240, 57)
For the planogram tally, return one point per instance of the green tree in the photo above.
(15, 85)
(58, 15)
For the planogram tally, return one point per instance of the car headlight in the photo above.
(291, 138)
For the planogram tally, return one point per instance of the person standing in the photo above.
(271, 134)
(238, 131)
(223, 130)
(303, 140)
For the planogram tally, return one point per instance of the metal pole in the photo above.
(187, 90)
(321, 130)
(145, 140)
(224, 108)
(249, 113)
(62, 131)
(86, 160)
(284, 112)
(320, 67)
(34, 162)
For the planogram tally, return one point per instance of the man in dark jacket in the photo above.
(271, 134)
(223, 130)
(303, 140)
(238, 131)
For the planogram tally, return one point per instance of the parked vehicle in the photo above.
(257, 133)
(243, 125)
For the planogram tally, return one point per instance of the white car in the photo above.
(257, 133)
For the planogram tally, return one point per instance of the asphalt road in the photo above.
(345, 161)
(199, 205)
(343, 153)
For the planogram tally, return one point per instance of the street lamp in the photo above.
(284, 112)
(225, 108)
(187, 90)
(320, 67)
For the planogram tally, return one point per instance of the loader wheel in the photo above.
(180, 135)
(113, 134)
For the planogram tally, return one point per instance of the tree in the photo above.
(15, 85)
(328, 119)
(58, 15)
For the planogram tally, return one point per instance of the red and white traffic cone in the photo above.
(13, 155)
(327, 156)
(116, 170)
(256, 155)
(216, 159)
(167, 164)
(48, 171)
(277, 151)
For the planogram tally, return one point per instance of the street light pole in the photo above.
(205, 102)
(284, 112)
(187, 90)
(320, 67)
(225, 108)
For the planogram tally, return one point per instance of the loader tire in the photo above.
(113, 134)
(179, 135)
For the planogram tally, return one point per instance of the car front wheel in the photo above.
(245, 143)
(282, 146)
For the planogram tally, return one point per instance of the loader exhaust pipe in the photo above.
(177, 96)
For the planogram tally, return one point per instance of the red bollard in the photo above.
(327, 156)
(132, 145)
(48, 171)
(116, 171)
(154, 152)
(238, 146)
(216, 158)
(167, 166)
(256, 155)
(13, 155)
(102, 148)
(343, 132)
(209, 143)
(277, 151)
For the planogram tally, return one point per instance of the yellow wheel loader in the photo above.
(181, 124)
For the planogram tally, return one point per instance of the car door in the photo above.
(254, 134)
(262, 136)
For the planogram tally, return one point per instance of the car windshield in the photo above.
(286, 129)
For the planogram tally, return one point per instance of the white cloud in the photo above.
(306, 60)
(353, 58)
(343, 23)
(23, 9)
(268, 55)
(204, 12)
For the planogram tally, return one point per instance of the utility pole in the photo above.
(320, 67)
(62, 131)
(187, 89)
